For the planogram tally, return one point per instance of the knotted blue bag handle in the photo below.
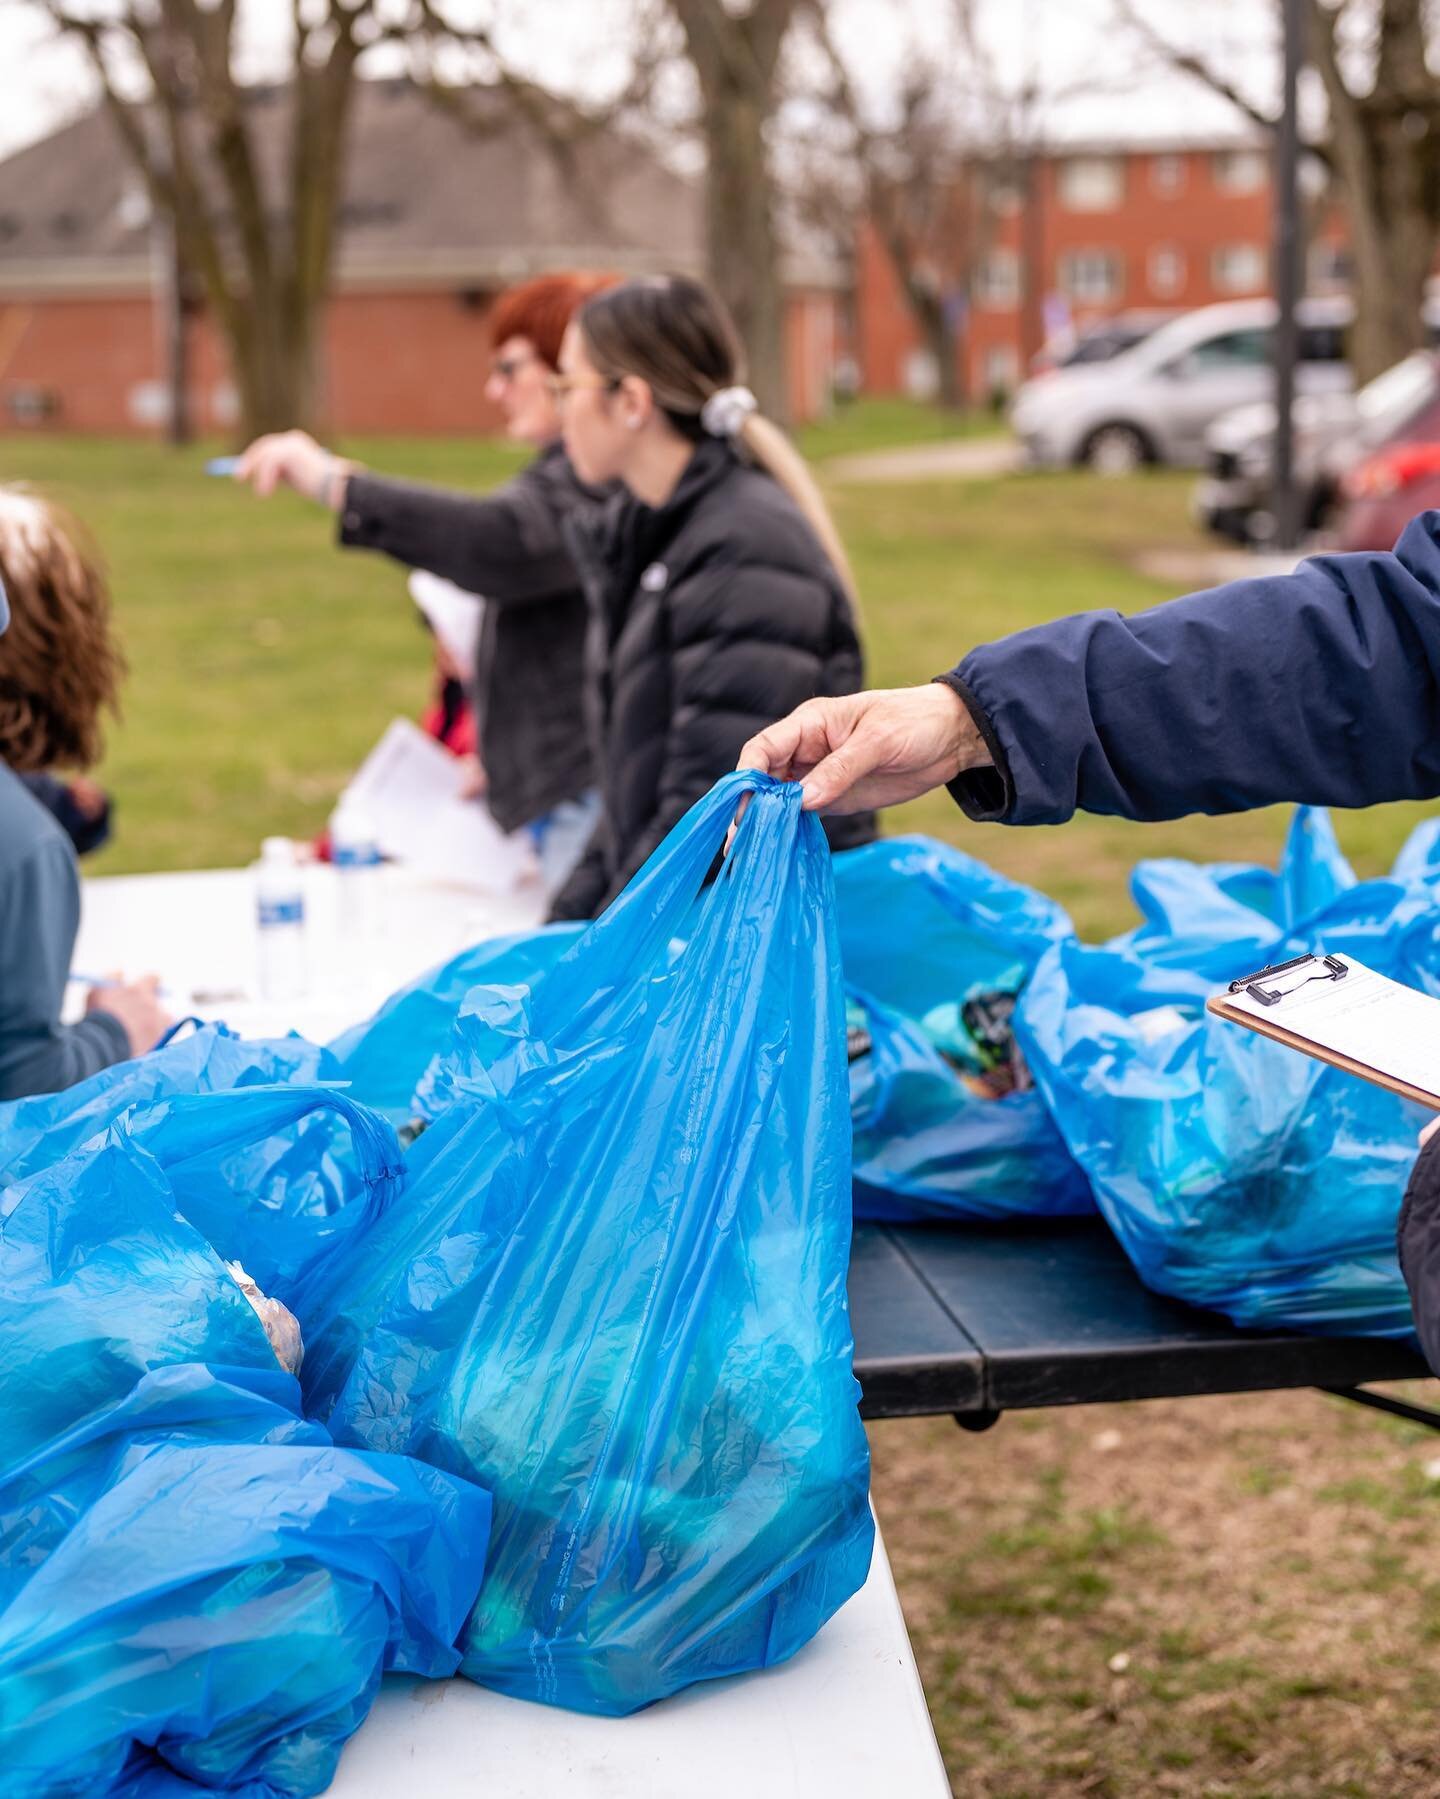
(207, 1122)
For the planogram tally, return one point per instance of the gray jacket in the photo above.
(39, 916)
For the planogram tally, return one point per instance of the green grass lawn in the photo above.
(264, 663)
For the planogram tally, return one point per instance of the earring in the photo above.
(633, 424)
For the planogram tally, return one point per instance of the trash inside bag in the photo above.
(930, 1141)
(1238, 1175)
(383, 1059)
(947, 1123)
(615, 1293)
(197, 1589)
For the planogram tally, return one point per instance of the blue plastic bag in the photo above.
(922, 926)
(926, 1146)
(195, 1585)
(1238, 1175)
(384, 1058)
(279, 1179)
(40, 1130)
(615, 1293)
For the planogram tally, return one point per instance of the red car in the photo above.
(1380, 496)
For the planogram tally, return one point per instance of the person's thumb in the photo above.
(831, 779)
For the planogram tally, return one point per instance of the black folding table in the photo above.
(976, 1320)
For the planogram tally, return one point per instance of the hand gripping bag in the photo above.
(614, 1294)
(925, 931)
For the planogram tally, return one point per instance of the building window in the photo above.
(1240, 171)
(1167, 270)
(1001, 369)
(1092, 183)
(1239, 269)
(1005, 195)
(1090, 277)
(997, 280)
(1167, 174)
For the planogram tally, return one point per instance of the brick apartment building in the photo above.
(1111, 228)
(434, 221)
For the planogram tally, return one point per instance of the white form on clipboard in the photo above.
(1341, 1012)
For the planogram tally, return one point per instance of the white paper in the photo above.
(1373, 1020)
(454, 616)
(409, 787)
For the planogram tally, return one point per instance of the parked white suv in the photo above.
(1155, 402)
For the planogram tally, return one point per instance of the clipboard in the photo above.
(1335, 1009)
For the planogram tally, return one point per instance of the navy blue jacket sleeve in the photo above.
(1322, 686)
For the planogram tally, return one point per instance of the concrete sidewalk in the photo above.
(955, 459)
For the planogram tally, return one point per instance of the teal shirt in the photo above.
(39, 916)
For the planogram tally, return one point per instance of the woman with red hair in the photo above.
(508, 547)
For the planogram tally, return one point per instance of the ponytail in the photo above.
(674, 334)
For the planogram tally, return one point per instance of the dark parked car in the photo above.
(1333, 432)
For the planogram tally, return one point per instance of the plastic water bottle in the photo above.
(280, 921)
(355, 855)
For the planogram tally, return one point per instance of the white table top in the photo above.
(196, 929)
(843, 1719)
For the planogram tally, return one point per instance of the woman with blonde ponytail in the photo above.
(720, 594)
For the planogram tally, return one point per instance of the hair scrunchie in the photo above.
(725, 412)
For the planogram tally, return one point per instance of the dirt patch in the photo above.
(1235, 1596)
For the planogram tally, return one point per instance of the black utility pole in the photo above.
(1288, 283)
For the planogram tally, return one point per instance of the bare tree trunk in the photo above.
(736, 59)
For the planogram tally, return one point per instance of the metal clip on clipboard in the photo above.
(1336, 970)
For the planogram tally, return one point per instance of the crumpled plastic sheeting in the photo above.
(615, 1291)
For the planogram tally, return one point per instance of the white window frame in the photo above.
(1168, 159)
(1240, 171)
(1165, 290)
(1075, 276)
(1073, 176)
(997, 280)
(1227, 284)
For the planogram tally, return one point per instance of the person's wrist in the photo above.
(334, 481)
(967, 747)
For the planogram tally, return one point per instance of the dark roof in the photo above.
(426, 199)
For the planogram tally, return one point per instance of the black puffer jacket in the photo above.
(508, 547)
(710, 617)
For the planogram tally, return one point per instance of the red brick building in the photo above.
(434, 222)
(1106, 228)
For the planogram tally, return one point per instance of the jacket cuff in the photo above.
(986, 795)
(1417, 1241)
(106, 1026)
(361, 516)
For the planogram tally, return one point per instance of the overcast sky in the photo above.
(1059, 44)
